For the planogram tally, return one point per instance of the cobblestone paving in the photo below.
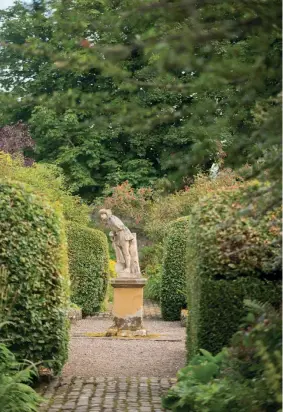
(105, 394)
(130, 392)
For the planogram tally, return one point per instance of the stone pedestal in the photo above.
(127, 307)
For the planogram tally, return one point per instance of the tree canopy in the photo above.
(139, 90)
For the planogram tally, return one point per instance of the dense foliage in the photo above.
(89, 267)
(151, 268)
(129, 203)
(216, 308)
(34, 253)
(230, 257)
(15, 393)
(173, 280)
(48, 180)
(15, 377)
(152, 289)
(163, 92)
(16, 139)
(228, 241)
(244, 377)
(166, 208)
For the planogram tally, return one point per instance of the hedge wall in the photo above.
(230, 256)
(173, 280)
(89, 266)
(229, 243)
(216, 309)
(33, 252)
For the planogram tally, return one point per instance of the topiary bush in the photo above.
(231, 256)
(89, 266)
(173, 280)
(216, 308)
(33, 251)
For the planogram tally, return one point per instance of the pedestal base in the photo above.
(127, 307)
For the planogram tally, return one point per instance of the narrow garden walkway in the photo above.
(108, 374)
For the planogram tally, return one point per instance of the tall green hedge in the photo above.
(216, 309)
(173, 280)
(33, 252)
(230, 256)
(89, 267)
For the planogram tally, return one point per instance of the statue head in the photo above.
(105, 214)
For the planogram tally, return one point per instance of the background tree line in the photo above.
(144, 91)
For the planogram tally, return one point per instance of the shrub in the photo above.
(88, 261)
(112, 269)
(230, 256)
(166, 209)
(15, 138)
(245, 377)
(216, 308)
(48, 180)
(33, 250)
(109, 292)
(126, 201)
(151, 256)
(151, 267)
(227, 241)
(152, 289)
(15, 393)
(173, 281)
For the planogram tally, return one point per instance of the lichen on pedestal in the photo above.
(127, 307)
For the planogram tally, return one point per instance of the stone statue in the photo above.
(124, 243)
(214, 170)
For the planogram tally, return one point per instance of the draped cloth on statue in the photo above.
(124, 243)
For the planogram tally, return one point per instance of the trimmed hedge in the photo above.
(228, 243)
(173, 280)
(33, 252)
(89, 267)
(230, 257)
(216, 309)
(46, 179)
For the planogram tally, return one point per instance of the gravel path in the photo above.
(108, 357)
(117, 375)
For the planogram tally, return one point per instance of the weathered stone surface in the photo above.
(125, 245)
(108, 394)
(74, 314)
(127, 307)
(128, 283)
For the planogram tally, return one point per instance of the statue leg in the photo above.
(135, 267)
(126, 253)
